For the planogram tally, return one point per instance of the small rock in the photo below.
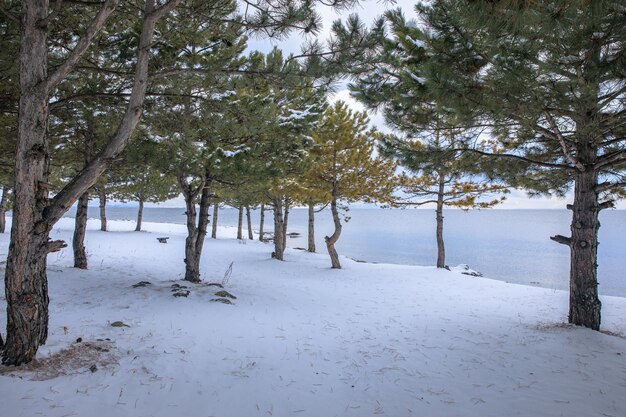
(142, 284)
(80, 339)
(93, 368)
(225, 294)
(181, 294)
(119, 324)
(215, 284)
(221, 300)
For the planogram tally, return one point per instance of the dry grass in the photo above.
(89, 356)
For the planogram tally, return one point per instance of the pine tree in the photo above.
(547, 79)
(345, 169)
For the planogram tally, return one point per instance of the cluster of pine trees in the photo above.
(144, 100)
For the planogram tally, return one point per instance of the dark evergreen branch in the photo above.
(518, 157)
(607, 186)
(83, 44)
(606, 204)
(55, 11)
(610, 158)
(10, 16)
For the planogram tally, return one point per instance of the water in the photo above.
(509, 245)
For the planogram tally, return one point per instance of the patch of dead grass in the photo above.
(79, 358)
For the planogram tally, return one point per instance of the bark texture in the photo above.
(249, 220)
(331, 240)
(279, 230)
(139, 215)
(240, 224)
(80, 228)
(216, 210)
(26, 285)
(262, 224)
(311, 235)
(584, 302)
(102, 196)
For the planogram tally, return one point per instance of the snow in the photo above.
(302, 339)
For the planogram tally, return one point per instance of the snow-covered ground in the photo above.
(304, 340)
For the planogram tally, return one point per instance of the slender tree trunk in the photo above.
(102, 195)
(250, 234)
(216, 210)
(441, 251)
(286, 220)
(262, 223)
(240, 224)
(80, 228)
(279, 231)
(584, 302)
(82, 209)
(139, 215)
(4, 205)
(331, 240)
(311, 247)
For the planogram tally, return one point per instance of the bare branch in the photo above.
(562, 240)
(10, 16)
(561, 140)
(55, 11)
(606, 204)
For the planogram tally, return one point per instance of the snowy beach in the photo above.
(301, 339)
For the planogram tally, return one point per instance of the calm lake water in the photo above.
(509, 245)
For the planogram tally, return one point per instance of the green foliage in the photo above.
(546, 78)
(344, 167)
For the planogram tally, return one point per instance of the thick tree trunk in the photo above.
(262, 224)
(216, 210)
(139, 216)
(102, 195)
(311, 247)
(249, 220)
(26, 285)
(331, 240)
(441, 251)
(279, 231)
(80, 228)
(584, 302)
(4, 205)
(240, 224)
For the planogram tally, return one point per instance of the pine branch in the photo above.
(83, 44)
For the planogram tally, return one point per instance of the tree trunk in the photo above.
(216, 209)
(196, 232)
(240, 224)
(250, 234)
(331, 240)
(441, 251)
(102, 195)
(311, 247)
(26, 285)
(4, 205)
(584, 302)
(285, 221)
(80, 228)
(279, 231)
(262, 223)
(139, 216)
